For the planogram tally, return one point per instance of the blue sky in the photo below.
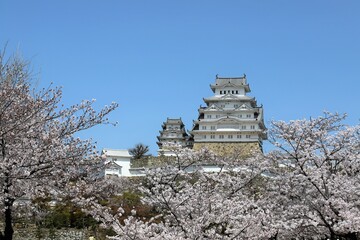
(157, 58)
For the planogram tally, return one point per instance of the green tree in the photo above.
(139, 151)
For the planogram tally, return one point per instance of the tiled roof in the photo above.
(117, 152)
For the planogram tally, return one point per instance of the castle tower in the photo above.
(231, 122)
(173, 131)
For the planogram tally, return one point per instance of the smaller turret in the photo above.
(173, 132)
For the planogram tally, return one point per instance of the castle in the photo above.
(230, 123)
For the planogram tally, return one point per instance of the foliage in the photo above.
(39, 153)
(67, 215)
(139, 151)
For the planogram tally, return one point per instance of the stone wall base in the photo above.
(47, 234)
(237, 149)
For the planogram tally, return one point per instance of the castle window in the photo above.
(243, 127)
(247, 136)
(203, 127)
(221, 136)
(220, 92)
(230, 136)
(213, 127)
(237, 91)
(212, 136)
(232, 91)
(238, 136)
(252, 127)
(248, 115)
(204, 137)
(208, 116)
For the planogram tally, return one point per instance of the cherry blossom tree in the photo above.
(317, 186)
(39, 152)
(307, 188)
(193, 203)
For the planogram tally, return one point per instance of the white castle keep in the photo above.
(230, 122)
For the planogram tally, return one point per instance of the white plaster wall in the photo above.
(125, 164)
(123, 161)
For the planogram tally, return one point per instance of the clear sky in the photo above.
(157, 58)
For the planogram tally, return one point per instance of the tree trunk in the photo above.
(8, 202)
(8, 229)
